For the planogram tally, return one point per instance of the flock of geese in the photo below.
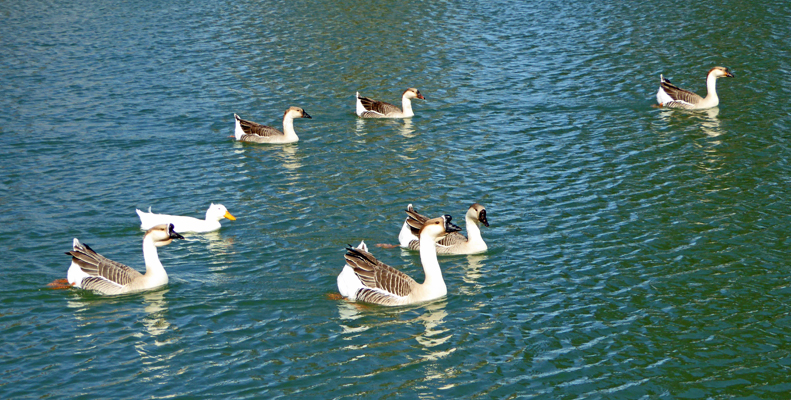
(363, 278)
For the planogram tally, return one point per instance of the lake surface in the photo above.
(635, 253)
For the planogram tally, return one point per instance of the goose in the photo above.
(368, 108)
(366, 279)
(214, 214)
(454, 243)
(91, 271)
(671, 96)
(248, 131)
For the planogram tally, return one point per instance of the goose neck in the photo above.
(153, 265)
(473, 231)
(428, 257)
(406, 105)
(288, 128)
(711, 87)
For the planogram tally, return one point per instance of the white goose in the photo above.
(364, 278)
(214, 214)
(368, 108)
(92, 271)
(454, 243)
(671, 96)
(248, 131)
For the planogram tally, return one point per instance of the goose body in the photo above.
(91, 271)
(214, 214)
(671, 96)
(368, 108)
(248, 131)
(453, 243)
(366, 279)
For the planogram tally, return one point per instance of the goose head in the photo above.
(295, 112)
(217, 212)
(437, 228)
(162, 234)
(720, 72)
(478, 213)
(413, 93)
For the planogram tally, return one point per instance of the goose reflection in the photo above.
(709, 121)
(432, 318)
(472, 274)
(287, 155)
(406, 129)
(156, 307)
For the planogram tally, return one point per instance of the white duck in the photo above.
(368, 108)
(92, 271)
(214, 214)
(366, 279)
(248, 131)
(454, 243)
(671, 96)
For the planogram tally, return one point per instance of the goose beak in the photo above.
(729, 74)
(482, 218)
(173, 234)
(420, 96)
(229, 216)
(306, 115)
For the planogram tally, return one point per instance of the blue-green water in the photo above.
(635, 253)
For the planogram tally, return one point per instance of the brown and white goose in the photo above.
(366, 279)
(91, 271)
(368, 108)
(454, 243)
(671, 96)
(248, 131)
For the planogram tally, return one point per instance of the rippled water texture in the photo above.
(635, 253)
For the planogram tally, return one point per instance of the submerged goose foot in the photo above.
(387, 246)
(60, 284)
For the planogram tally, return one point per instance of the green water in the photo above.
(635, 253)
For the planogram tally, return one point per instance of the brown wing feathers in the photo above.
(96, 265)
(378, 106)
(678, 93)
(375, 274)
(415, 220)
(253, 128)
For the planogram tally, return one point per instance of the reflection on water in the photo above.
(288, 157)
(709, 122)
(472, 274)
(88, 306)
(432, 318)
(406, 129)
(156, 308)
(215, 243)
(359, 127)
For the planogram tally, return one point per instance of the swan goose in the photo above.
(214, 214)
(248, 131)
(366, 279)
(91, 271)
(671, 96)
(454, 243)
(368, 108)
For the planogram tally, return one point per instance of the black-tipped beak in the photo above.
(306, 115)
(729, 74)
(173, 234)
(450, 227)
(482, 218)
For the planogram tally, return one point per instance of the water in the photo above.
(634, 252)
